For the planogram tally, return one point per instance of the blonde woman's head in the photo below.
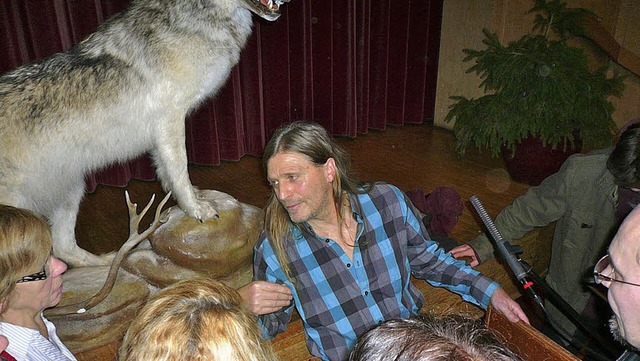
(25, 246)
(199, 319)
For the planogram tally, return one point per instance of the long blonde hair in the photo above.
(313, 141)
(25, 246)
(197, 319)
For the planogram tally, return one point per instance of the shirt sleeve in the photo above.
(266, 268)
(431, 263)
(538, 207)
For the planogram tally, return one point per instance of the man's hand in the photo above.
(508, 307)
(261, 297)
(463, 251)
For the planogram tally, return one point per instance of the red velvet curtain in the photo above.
(350, 65)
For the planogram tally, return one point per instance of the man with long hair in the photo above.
(344, 251)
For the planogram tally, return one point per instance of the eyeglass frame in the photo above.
(598, 275)
(38, 276)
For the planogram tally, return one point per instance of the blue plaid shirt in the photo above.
(339, 298)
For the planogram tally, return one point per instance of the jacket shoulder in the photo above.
(596, 156)
(589, 162)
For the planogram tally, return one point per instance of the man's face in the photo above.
(304, 188)
(624, 299)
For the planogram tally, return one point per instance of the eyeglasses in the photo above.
(38, 276)
(602, 265)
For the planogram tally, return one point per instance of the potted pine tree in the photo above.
(538, 89)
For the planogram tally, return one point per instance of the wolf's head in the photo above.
(266, 9)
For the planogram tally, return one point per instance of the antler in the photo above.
(134, 239)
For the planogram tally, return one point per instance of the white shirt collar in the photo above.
(26, 343)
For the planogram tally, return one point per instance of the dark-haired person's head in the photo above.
(431, 338)
(624, 161)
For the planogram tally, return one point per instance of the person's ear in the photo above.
(330, 169)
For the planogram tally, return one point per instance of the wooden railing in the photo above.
(601, 36)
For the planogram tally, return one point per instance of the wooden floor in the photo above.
(412, 156)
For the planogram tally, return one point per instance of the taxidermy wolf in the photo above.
(123, 91)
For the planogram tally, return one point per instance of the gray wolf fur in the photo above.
(123, 91)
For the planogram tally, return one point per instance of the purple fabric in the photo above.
(442, 206)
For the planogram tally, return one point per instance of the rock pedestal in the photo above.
(181, 248)
(220, 248)
(106, 322)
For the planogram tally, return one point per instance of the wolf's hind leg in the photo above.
(63, 221)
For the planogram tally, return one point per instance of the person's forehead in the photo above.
(46, 257)
(283, 161)
(625, 246)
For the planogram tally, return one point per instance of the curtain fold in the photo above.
(350, 65)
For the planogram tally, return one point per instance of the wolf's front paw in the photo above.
(202, 211)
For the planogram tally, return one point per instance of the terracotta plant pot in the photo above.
(531, 162)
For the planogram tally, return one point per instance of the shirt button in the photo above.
(326, 240)
(348, 265)
(380, 322)
(366, 293)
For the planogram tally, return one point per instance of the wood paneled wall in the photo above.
(462, 24)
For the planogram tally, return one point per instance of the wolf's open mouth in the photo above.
(271, 4)
(266, 9)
